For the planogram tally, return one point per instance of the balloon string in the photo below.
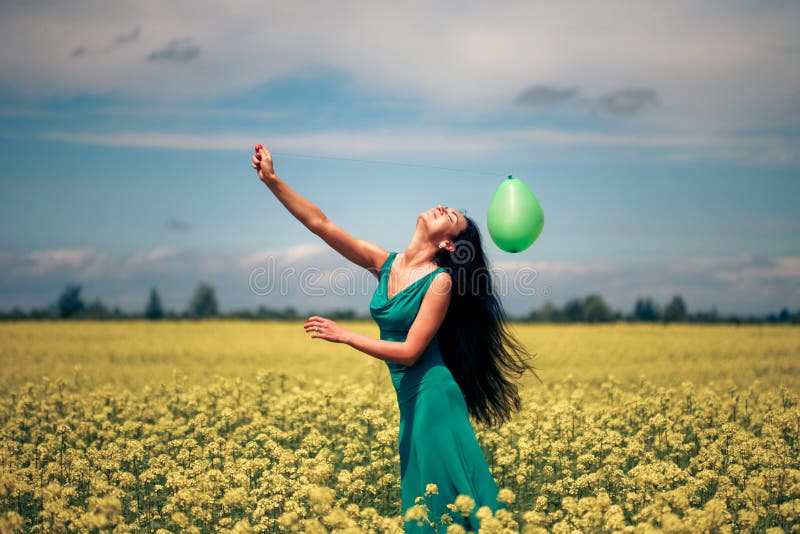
(386, 162)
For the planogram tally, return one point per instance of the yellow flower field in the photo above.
(253, 427)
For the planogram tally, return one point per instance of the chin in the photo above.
(425, 219)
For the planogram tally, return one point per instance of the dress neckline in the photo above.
(393, 255)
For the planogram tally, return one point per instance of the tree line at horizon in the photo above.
(204, 304)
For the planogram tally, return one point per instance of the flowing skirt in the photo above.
(438, 446)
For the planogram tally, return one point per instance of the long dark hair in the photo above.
(476, 344)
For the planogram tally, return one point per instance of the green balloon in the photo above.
(515, 218)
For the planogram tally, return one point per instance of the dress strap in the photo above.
(387, 264)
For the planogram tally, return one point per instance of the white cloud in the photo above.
(48, 261)
(312, 276)
(788, 267)
(557, 269)
(302, 254)
(431, 142)
(88, 264)
(712, 73)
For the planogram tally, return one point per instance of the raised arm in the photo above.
(364, 253)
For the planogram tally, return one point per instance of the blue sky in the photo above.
(663, 144)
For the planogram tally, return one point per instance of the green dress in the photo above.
(437, 441)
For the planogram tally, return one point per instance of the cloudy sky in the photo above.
(661, 138)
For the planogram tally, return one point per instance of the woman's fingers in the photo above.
(260, 152)
(314, 324)
(262, 161)
(316, 329)
(320, 327)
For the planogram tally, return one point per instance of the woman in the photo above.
(444, 339)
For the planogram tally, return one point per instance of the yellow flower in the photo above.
(418, 513)
(180, 519)
(321, 498)
(338, 518)
(506, 495)
(431, 489)
(483, 513)
(287, 520)
(464, 504)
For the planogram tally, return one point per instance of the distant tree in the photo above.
(153, 309)
(48, 312)
(548, 313)
(241, 314)
(290, 314)
(675, 311)
(595, 309)
(645, 310)
(783, 316)
(97, 310)
(711, 316)
(343, 315)
(203, 303)
(591, 309)
(573, 310)
(262, 312)
(70, 303)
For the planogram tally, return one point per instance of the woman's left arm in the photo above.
(431, 313)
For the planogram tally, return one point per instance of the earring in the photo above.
(441, 246)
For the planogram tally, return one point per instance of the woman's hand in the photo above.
(262, 162)
(325, 329)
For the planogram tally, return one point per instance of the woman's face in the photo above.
(443, 223)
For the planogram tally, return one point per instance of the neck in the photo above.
(420, 251)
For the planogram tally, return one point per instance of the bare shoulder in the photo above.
(441, 284)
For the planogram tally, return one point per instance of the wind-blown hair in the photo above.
(476, 344)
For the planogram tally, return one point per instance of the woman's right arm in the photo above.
(364, 253)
